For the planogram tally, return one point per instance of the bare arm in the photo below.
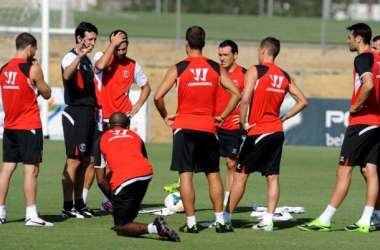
(162, 90)
(70, 70)
(145, 91)
(231, 88)
(37, 77)
(249, 85)
(116, 40)
(102, 182)
(365, 92)
(299, 97)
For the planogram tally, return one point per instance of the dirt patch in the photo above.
(325, 75)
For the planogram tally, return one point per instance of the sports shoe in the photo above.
(226, 228)
(37, 222)
(356, 227)
(164, 231)
(174, 187)
(315, 225)
(106, 206)
(209, 224)
(87, 213)
(73, 213)
(265, 227)
(375, 221)
(192, 230)
(3, 219)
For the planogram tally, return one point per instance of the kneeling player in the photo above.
(124, 154)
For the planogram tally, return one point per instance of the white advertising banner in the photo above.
(57, 105)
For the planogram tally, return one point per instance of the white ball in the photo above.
(174, 202)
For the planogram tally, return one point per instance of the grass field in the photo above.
(221, 27)
(307, 179)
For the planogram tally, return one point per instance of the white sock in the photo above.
(326, 216)
(2, 210)
(226, 196)
(365, 220)
(85, 194)
(227, 216)
(219, 218)
(105, 199)
(152, 229)
(31, 211)
(267, 218)
(191, 221)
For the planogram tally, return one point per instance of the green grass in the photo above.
(307, 179)
(221, 27)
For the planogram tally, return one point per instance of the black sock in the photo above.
(79, 204)
(68, 205)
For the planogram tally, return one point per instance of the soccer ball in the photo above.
(174, 202)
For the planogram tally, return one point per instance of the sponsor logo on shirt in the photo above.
(276, 84)
(11, 80)
(200, 74)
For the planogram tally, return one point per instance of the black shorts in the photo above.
(126, 203)
(229, 142)
(78, 129)
(24, 146)
(261, 153)
(195, 151)
(361, 145)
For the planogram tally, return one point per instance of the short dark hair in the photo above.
(119, 31)
(376, 38)
(230, 43)
(195, 36)
(119, 119)
(272, 45)
(84, 27)
(25, 39)
(363, 30)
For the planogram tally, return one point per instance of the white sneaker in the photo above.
(265, 227)
(37, 222)
(282, 216)
(375, 221)
(106, 206)
(3, 219)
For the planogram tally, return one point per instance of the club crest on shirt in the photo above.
(126, 73)
(236, 82)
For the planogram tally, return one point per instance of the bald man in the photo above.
(123, 152)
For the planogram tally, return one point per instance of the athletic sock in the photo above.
(326, 216)
(2, 210)
(227, 216)
(105, 199)
(226, 196)
(219, 218)
(152, 229)
(31, 211)
(365, 220)
(85, 194)
(267, 218)
(68, 205)
(79, 204)
(191, 221)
